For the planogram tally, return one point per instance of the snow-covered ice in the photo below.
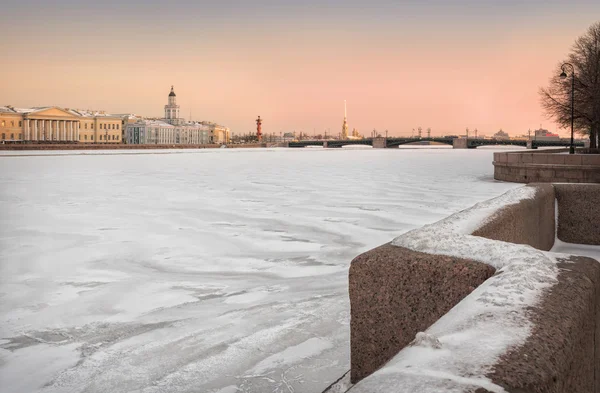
(203, 271)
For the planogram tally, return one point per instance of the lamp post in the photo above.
(563, 75)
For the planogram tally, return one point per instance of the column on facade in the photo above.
(33, 130)
(25, 129)
(42, 124)
(63, 130)
(70, 130)
(76, 130)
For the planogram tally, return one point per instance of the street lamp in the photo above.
(563, 75)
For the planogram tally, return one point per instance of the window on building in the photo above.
(12, 136)
(117, 126)
(85, 126)
(91, 137)
(85, 137)
(3, 123)
(3, 136)
(12, 123)
(20, 136)
(20, 123)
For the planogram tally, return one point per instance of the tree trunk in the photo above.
(594, 137)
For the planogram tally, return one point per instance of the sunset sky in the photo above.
(442, 64)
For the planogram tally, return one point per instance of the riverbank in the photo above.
(77, 146)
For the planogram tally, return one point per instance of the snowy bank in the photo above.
(476, 302)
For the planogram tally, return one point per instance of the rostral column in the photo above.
(258, 129)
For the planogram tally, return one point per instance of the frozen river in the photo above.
(203, 271)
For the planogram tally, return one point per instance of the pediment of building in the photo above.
(52, 113)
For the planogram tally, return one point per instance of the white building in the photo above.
(172, 110)
(158, 132)
(171, 130)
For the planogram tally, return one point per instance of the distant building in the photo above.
(98, 127)
(501, 135)
(173, 129)
(158, 132)
(218, 133)
(289, 136)
(52, 124)
(545, 135)
(356, 134)
(126, 118)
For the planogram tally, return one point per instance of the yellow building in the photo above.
(98, 127)
(57, 125)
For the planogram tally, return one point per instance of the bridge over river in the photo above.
(457, 143)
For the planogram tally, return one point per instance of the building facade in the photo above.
(41, 124)
(64, 125)
(57, 125)
(98, 127)
(545, 135)
(174, 130)
(159, 132)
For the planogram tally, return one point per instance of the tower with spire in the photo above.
(345, 125)
(172, 109)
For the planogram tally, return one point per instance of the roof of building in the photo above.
(91, 113)
(11, 109)
(172, 93)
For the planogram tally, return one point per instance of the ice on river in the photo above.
(203, 271)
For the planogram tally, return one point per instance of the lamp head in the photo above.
(563, 75)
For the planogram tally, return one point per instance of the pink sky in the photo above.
(295, 72)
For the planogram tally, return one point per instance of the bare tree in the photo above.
(556, 98)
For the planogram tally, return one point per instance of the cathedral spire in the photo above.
(345, 125)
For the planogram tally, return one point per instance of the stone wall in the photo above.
(460, 143)
(547, 166)
(578, 213)
(397, 292)
(379, 143)
(562, 354)
(531, 221)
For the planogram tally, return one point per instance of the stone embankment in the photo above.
(543, 166)
(477, 303)
(60, 146)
